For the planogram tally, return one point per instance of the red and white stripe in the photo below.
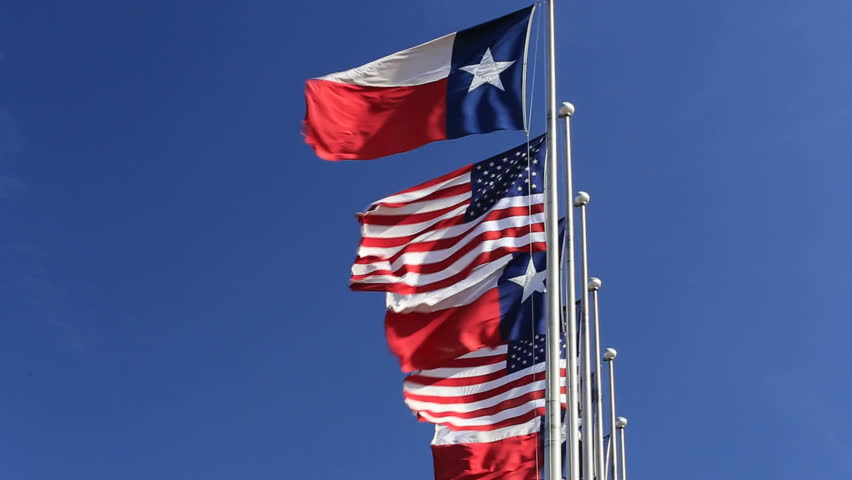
(417, 242)
(475, 393)
(390, 105)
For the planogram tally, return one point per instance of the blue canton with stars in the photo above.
(526, 353)
(517, 172)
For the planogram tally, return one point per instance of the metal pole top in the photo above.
(582, 199)
(566, 110)
(620, 422)
(595, 284)
(610, 354)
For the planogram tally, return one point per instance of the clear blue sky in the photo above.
(174, 259)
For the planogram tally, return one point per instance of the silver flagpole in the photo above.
(553, 435)
(595, 285)
(589, 464)
(609, 357)
(620, 423)
(566, 112)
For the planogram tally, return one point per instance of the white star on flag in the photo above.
(531, 281)
(488, 71)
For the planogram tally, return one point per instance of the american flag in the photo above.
(444, 235)
(484, 395)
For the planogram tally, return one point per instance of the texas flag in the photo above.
(506, 305)
(471, 81)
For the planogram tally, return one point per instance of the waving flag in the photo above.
(511, 308)
(487, 407)
(461, 257)
(467, 82)
(488, 390)
(512, 458)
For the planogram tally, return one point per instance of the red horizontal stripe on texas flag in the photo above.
(513, 458)
(346, 121)
(418, 338)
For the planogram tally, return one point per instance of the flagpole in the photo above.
(620, 423)
(595, 285)
(566, 112)
(553, 435)
(589, 465)
(609, 357)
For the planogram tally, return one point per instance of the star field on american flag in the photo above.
(525, 353)
(506, 175)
